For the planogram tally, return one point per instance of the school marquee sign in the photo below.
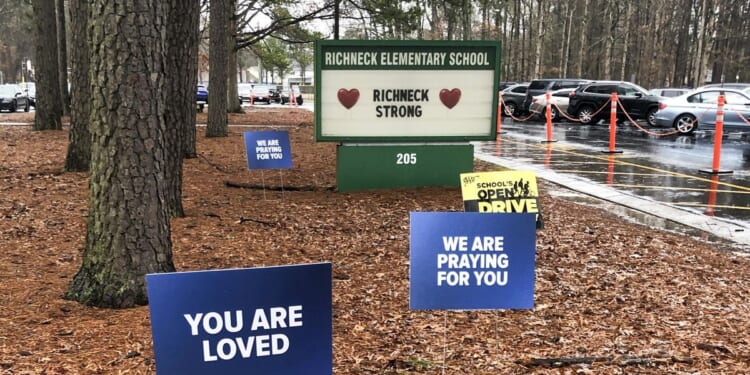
(382, 91)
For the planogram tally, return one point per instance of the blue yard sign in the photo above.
(472, 260)
(268, 150)
(271, 321)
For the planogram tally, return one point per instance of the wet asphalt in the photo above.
(670, 176)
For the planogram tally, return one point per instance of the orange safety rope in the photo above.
(600, 108)
(635, 123)
(565, 114)
(511, 114)
(746, 121)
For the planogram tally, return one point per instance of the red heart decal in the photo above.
(450, 97)
(348, 98)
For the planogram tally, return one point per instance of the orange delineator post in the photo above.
(611, 169)
(292, 97)
(612, 121)
(719, 134)
(712, 195)
(548, 116)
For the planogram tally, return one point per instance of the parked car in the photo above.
(243, 90)
(29, 88)
(726, 85)
(541, 86)
(284, 95)
(697, 110)
(505, 84)
(559, 98)
(668, 92)
(513, 97)
(254, 93)
(586, 102)
(12, 98)
(201, 97)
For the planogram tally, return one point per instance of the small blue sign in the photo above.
(268, 150)
(472, 260)
(272, 321)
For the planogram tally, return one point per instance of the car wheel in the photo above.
(510, 108)
(28, 107)
(685, 123)
(299, 100)
(553, 114)
(585, 114)
(14, 107)
(651, 116)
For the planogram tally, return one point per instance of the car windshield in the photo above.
(519, 89)
(242, 87)
(632, 88)
(536, 85)
(8, 90)
(260, 89)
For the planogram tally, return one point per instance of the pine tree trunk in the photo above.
(698, 78)
(582, 39)
(79, 145)
(566, 58)
(539, 39)
(47, 83)
(62, 55)
(217, 70)
(609, 40)
(180, 79)
(128, 234)
(233, 103)
(626, 42)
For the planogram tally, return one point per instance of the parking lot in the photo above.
(651, 173)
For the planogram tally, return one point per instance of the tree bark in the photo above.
(62, 56)
(233, 103)
(217, 70)
(180, 80)
(79, 137)
(626, 42)
(47, 83)
(539, 38)
(582, 39)
(698, 58)
(566, 57)
(128, 234)
(609, 39)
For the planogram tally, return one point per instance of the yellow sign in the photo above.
(501, 191)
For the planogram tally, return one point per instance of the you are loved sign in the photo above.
(406, 90)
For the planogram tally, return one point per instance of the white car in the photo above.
(668, 92)
(697, 110)
(559, 101)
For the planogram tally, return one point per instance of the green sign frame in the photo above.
(406, 91)
(389, 166)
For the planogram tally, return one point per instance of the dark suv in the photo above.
(513, 97)
(587, 102)
(540, 86)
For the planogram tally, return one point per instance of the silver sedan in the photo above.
(697, 110)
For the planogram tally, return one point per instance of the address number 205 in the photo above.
(406, 158)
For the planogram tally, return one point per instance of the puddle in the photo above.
(640, 217)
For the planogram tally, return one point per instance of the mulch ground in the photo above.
(612, 297)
